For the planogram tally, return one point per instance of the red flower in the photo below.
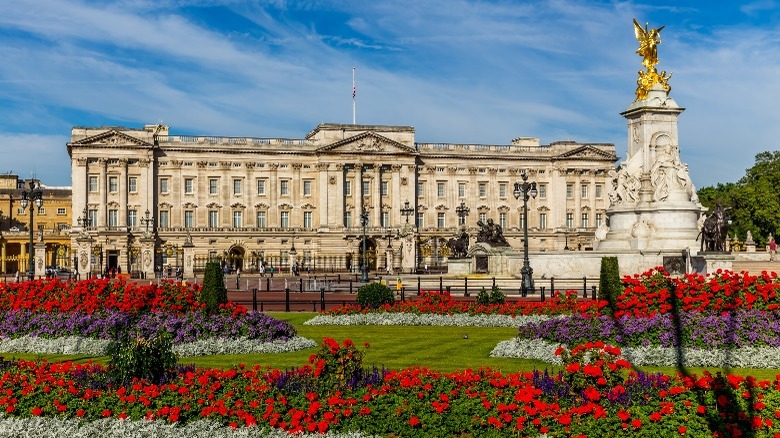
(636, 423)
(37, 411)
(414, 422)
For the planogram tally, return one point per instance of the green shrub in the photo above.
(373, 295)
(495, 296)
(214, 291)
(610, 285)
(136, 357)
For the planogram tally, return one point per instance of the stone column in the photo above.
(273, 219)
(123, 193)
(189, 259)
(323, 202)
(396, 220)
(102, 219)
(40, 259)
(376, 196)
(147, 256)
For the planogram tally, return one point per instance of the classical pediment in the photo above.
(367, 143)
(586, 152)
(111, 138)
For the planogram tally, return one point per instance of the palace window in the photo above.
(420, 189)
(599, 191)
(347, 188)
(599, 219)
(461, 190)
(440, 189)
(213, 218)
(261, 219)
(132, 218)
(569, 220)
(93, 184)
(366, 187)
(113, 218)
(384, 188)
(542, 220)
(164, 186)
(284, 187)
(584, 190)
(60, 211)
(188, 186)
(238, 219)
(164, 218)
(385, 218)
(236, 186)
(284, 219)
(502, 190)
(440, 219)
(569, 190)
(502, 220)
(189, 219)
(483, 217)
(348, 219)
(113, 184)
(307, 219)
(213, 186)
(420, 220)
(584, 220)
(542, 191)
(132, 184)
(307, 187)
(261, 187)
(482, 190)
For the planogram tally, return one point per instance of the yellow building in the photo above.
(51, 226)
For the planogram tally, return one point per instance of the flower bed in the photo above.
(594, 395)
(52, 316)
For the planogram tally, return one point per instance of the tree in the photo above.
(754, 200)
(214, 291)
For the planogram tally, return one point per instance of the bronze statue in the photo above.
(649, 39)
(459, 247)
(491, 233)
(715, 230)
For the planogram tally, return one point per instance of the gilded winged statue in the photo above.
(649, 39)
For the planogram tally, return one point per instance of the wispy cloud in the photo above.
(457, 70)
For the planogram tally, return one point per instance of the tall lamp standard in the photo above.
(364, 222)
(525, 188)
(462, 212)
(35, 195)
(86, 222)
(407, 210)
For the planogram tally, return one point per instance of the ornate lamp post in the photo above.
(147, 220)
(462, 212)
(86, 222)
(524, 189)
(35, 195)
(364, 222)
(293, 253)
(407, 211)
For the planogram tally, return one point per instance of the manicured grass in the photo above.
(396, 347)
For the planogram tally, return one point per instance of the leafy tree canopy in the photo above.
(754, 199)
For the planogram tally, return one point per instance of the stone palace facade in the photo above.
(146, 201)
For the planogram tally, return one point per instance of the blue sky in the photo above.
(456, 70)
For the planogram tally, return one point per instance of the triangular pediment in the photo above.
(367, 143)
(586, 152)
(111, 138)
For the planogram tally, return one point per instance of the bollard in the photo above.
(237, 287)
(322, 299)
(350, 285)
(418, 285)
(403, 294)
(494, 282)
(552, 284)
(300, 284)
(267, 284)
(287, 299)
(254, 299)
(441, 288)
(593, 292)
(465, 286)
(542, 293)
(338, 278)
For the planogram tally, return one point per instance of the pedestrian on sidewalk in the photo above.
(772, 249)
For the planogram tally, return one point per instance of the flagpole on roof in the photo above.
(354, 90)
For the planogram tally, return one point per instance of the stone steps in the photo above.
(755, 267)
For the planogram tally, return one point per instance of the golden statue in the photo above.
(649, 39)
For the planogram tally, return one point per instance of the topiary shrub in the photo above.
(495, 296)
(214, 291)
(136, 357)
(373, 295)
(610, 285)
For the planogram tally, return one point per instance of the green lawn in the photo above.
(395, 347)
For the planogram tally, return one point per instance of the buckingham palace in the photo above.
(146, 201)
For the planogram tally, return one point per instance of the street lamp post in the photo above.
(364, 222)
(147, 220)
(407, 211)
(524, 189)
(35, 195)
(293, 253)
(462, 212)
